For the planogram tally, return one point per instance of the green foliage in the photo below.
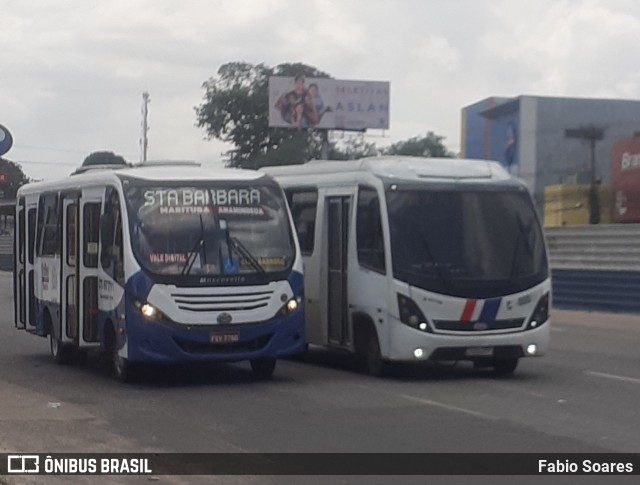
(103, 158)
(352, 148)
(15, 178)
(426, 146)
(236, 110)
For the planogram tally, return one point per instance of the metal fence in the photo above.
(596, 267)
(6, 252)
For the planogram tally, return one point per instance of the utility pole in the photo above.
(592, 134)
(144, 142)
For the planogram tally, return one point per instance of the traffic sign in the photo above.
(6, 140)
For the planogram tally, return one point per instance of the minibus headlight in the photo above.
(290, 306)
(540, 314)
(148, 311)
(411, 315)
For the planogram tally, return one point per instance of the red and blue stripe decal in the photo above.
(489, 310)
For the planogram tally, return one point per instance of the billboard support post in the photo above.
(324, 151)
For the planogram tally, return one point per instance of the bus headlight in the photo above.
(149, 311)
(540, 314)
(411, 315)
(290, 306)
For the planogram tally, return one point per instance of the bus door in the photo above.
(69, 270)
(338, 210)
(20, 270)
(90, 208)
(24, 276)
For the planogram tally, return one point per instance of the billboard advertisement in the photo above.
(625, 180)
(298, 102)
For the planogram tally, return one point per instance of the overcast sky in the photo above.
(72, 72)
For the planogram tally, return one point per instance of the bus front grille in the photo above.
(458, 326)
(222, 302)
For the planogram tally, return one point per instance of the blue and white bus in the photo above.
(416, 260)
(161, 262)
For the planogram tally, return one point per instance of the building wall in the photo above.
(545, 156)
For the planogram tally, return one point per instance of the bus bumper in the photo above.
(164, 342)
(404, 342)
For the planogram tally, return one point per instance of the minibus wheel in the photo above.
(375, 365)
(263, 368)
(120, 366)
(61, 353)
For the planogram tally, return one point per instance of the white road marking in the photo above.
(447, 406)
(635, 380)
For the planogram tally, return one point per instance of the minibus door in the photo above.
(69, 270)
(338, 237)
(19, 273)
(90, 208)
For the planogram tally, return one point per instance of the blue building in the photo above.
(527, 134)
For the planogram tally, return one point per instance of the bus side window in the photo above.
(49, 233)
(369, 237)
(303, 205)
(112, 255)
(91, 234)
(31, 229)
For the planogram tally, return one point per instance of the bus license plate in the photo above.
(224, 337)
(479, 352)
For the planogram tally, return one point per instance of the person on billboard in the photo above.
(286, 103)
(314, 105)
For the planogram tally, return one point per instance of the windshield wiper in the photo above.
(240, 248)
(193, 254)
(436, 264)
(523, 236)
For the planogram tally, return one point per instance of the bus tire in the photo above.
(263, 368)
(120, 366)
(374, 364)
(62, 354)
(505, 367)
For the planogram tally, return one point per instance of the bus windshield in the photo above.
(210, 229)
(467, 243)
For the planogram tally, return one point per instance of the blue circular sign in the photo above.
(6, 140)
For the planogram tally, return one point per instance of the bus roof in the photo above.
(161, 172)
(401, 168)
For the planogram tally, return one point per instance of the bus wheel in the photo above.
(120, 366)
(263, 368)
(505, 367)
(62, 354)
(374, 364)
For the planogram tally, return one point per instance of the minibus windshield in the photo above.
(210, 229)
(468, 243)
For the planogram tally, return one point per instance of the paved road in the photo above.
(584, 396)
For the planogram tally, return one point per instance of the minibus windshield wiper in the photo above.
(523, 237)
(195, 251)
(241, 249)
(436, 264)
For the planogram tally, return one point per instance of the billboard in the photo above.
(328, 103)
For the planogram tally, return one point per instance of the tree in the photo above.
(427, 146)
(236, 110)
(103, 158)
(11, 178)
